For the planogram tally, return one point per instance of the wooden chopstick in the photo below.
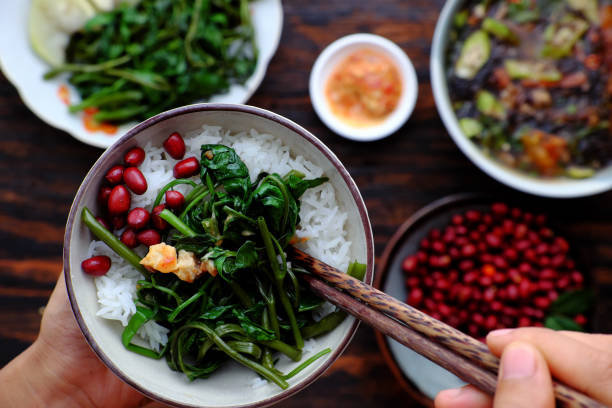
(435, 333)
(460, 366)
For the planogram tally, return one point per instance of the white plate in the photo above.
(25, 69)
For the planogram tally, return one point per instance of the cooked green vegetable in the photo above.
(252, 302)
(474, 54)
(560, 37)
(470, 127)
(138, 60)
(589, 8)
(536, 70)
(499, 30)
(488, 104)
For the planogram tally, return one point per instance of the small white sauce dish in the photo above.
(334, 54)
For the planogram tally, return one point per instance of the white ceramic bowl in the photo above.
(559, 187)
(334, 54)
(230, 386)
(25, 69)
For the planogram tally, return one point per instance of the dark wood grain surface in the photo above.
(41, 169)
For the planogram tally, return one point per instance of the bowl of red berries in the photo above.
(480, 264)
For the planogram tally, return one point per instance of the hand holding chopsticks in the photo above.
(459, 353)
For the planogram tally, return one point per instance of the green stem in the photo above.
(306, 363)
(192, 204)
(177, 223)
(111, 240)
(87, 67)
(233, 354)
(325, 325)
(101, 100)
(119, 114)
(279, 277)
(199, 189)
(230, 211)
(291, 352)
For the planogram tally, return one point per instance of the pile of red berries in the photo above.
(140, 227)
(490, 270)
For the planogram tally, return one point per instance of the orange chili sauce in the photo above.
(364, 88)
(92, 125)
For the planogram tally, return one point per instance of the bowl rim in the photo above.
(212, 107)
(511, 177)
(396, 119)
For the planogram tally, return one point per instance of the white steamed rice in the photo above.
(322, 221)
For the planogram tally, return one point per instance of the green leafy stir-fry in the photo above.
(138, 60)
(254, 304)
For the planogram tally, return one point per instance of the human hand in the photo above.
(60, 370)
(528, 358)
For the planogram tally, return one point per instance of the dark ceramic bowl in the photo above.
(421, 378)
(230, 387)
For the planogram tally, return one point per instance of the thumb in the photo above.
(524, 380)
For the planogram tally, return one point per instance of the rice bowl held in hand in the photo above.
(215, 289)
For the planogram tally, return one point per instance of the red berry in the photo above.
(96, 265)
(580, 319)
(138, 218)
(524, 321)
(516, 213)
(104, 223)
(157, 221)
(438, 247)
(412, 281)
(134, 157)
(186, 168)
(148, 237)
(490, 322)
(128, 237)
(175, 146)
(577, 277)
(468, 250)
(174, 199)
(444, 261)
(492, 240)
(118, 221)
(520, 231)
(119, 200)
(103, 195)
(415, 297)
(499, 208)
(542, 302)
(410, 264)
(472, 215)
(114, 175)
(457, 219)
(135, 180)
(512, 291)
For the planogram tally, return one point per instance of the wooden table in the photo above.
(41, 169)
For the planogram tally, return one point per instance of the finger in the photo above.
(464, 397)
(599, 341)
(524, 380)
(578, 364)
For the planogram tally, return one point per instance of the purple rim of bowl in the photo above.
(208, 107)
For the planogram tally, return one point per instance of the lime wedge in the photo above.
(103, 5)
(50, 24)
(68, 15)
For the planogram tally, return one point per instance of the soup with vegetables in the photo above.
(529, 82)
